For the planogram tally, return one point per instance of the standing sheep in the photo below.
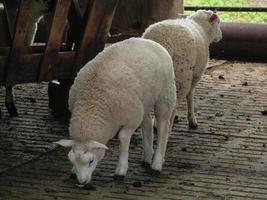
(38, 9)
(114, 92)
(187, 41)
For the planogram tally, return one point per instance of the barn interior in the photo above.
(224, 158)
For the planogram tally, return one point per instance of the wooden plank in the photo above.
(63, 67)
(54, 39)
(99, 19)
(27, 72)
(34, 49)
(18, 41)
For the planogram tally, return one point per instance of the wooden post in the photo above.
(18, 42)
(54, 40)
(96, 23)
(99, 18)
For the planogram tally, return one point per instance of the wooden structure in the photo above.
(56, 59)
(86, 24)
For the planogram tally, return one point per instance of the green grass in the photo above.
(240, 17)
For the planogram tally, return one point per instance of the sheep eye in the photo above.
(90, 162)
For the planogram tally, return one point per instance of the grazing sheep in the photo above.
(114, 92)
(187, 41)
(38, 9)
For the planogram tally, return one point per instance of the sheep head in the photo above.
(210, 22)
(84, 156)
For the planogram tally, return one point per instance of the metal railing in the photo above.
(246, 11)
(227, 9)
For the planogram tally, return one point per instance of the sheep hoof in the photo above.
(73, 176)
(155, 130)
(145, 165)
(12, 110)
(193, 126)
(155, 172)
(89, 187)
(176, 119)
(119, 177)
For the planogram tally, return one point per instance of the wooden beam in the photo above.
(18, 41)
(27, 71)
(34, 49)
(54, 39)
(99, 19)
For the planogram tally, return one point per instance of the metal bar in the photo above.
(247, 42)
(54, 39)
(227, 9)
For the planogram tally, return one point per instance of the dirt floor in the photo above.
(225, 158)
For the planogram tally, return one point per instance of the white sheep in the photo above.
(187, 41)
(114, 92)
(38, 9)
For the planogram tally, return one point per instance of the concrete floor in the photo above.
(225, 158)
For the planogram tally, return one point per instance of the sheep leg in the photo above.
(173, 116)
(9, 102)
(147, 133)
(73, 173)
(125, 137)
(190, 104)
(163, 132)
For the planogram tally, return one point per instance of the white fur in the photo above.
(116, 91)
(187, 41)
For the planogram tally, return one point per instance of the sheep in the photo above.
(187, 41)
(116, 92)
(38, 9)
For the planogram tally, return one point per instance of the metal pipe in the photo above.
(226, 9)
(247, 42)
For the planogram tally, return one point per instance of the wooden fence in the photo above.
(53, 60)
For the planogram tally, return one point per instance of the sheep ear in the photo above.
(95, 145)
(65, 143)
(213, 17)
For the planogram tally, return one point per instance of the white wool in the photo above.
(115, 92)
(187, 41)
(118, 87)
